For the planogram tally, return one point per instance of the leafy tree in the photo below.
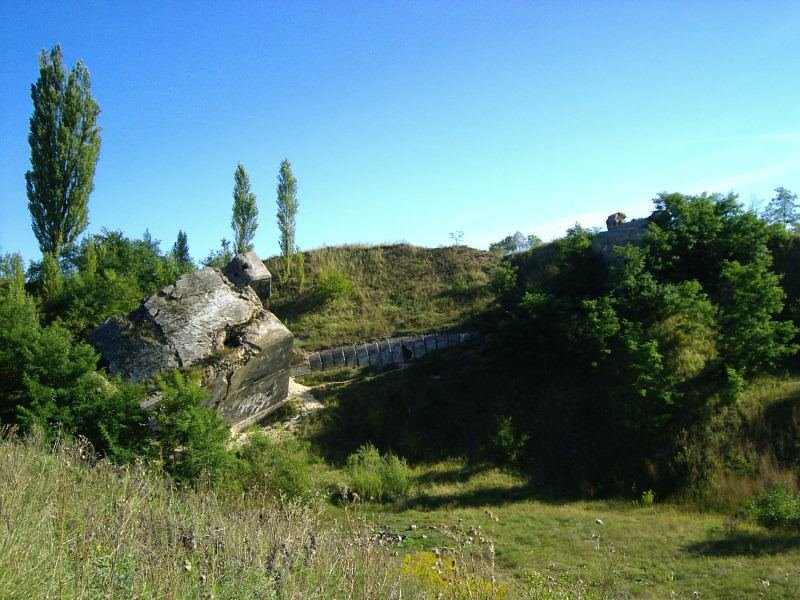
(515, 243)
(180, 252)
(245, 212)
(47, 380)
(65, 144)
(287, 213)
(753, 339)
(190, 437)
(107, 275)
(19, 327)
(783, 209)
(12, 275)
(52, 279)
(221, 257)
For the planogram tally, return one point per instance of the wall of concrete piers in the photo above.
(383, 353)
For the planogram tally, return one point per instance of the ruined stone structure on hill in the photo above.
(214, 322)
(619, 233)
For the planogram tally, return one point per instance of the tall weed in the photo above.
(378, 477)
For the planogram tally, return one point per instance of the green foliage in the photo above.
(65, 144)
(19, 340)
(279, 466)
(505, 280)
(752, 338)
(219, 258)
(468, 282)
(12, 276)
(508, 443)
(648, 498)
(108, 275)
(299, 260)
(376, 477)
(52, 278)
(49, 383)
(398, 290)
(189, 438)
(783, 209)
(777, 508)
(287, 215)
(180, 253)
(665, 335)
(332, 285)
(113, 532)
(515, 243)
(244, 221)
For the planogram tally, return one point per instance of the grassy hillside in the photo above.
(354, 293)
(73, 529)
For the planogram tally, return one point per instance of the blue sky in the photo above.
(408, 121)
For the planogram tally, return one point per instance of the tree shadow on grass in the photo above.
(486, 496)
(746, 544)
(456, 474)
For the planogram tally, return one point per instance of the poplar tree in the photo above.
(245, 212)
(65, 144)
(287, 212)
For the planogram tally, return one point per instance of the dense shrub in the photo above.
(378, 477)
(189, 437)
(106, 275)
(332, 285)
(278, 466)
(776, 508)
(508, 444)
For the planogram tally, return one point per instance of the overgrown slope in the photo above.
(353, 293)
(72, 529)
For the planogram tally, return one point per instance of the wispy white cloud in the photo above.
(736, 180)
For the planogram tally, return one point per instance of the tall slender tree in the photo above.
(287, 213)
(180, 252)
(783, 209)
(65, 144)
(245, 212)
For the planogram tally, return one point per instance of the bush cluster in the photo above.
(378, 477)
(277, 466)
(332, 285)
(776, 508)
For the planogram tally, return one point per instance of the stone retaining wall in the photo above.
(384, 353)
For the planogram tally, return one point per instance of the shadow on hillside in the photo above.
(746, 544)
(457, 474)
(294, 306)
(487, 496)
(780, 423)
(424, 413)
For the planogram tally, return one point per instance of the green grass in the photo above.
(663, 551)
(672, 549)
(72, 528)
(396, 289)
(748, 447)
